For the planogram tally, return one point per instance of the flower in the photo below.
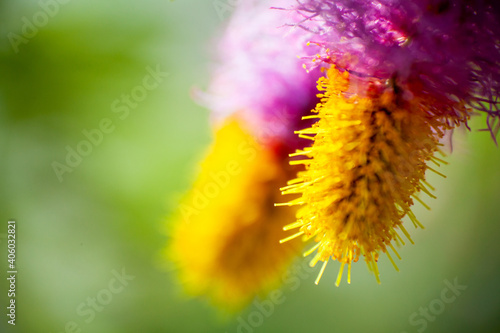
(400, 74)
(226, 241)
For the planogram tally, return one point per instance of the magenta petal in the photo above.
(259, 74)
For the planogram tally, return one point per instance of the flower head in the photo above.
(400, 74)
(226, 241)
(228, 247)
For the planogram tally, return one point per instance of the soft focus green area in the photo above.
(108, 214)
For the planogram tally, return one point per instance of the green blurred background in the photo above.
(109, 213)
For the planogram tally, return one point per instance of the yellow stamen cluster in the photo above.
(364, 170)
(225, 243)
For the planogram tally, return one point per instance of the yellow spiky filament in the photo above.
(363, 172)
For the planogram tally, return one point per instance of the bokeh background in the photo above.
(110, 212)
